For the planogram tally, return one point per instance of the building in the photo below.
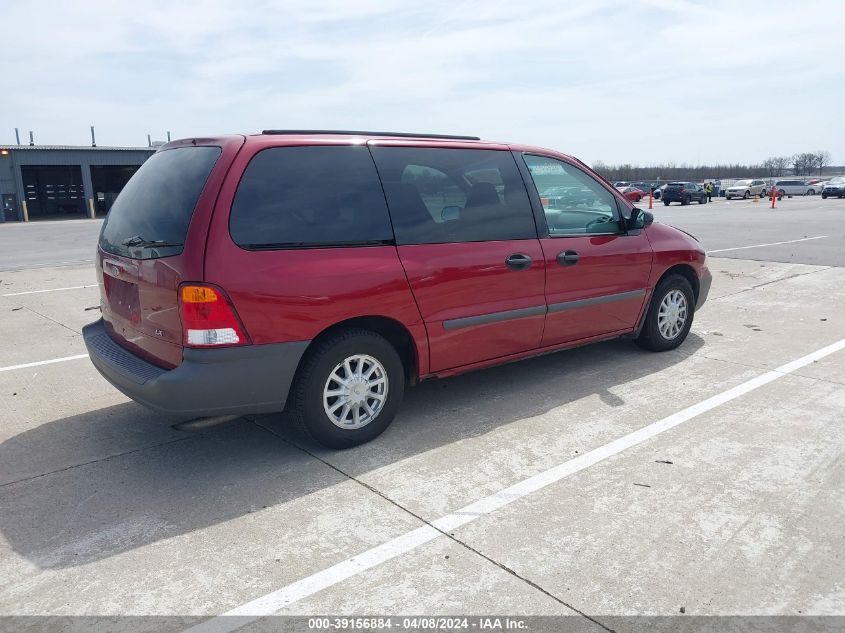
(57, 181)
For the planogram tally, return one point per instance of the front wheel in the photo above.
(348, 389)
(810, 192)
(824, 196)
(745, 195)
(669, 315)
(666, 203)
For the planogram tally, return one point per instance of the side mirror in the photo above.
(448, 214)
(640, 219)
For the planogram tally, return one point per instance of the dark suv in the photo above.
(323, 272)
(684, 192)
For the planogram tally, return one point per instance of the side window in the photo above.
(574, 203)
(454, 195)
(437, 189)
(309, 196)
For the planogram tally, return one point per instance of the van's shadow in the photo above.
(100, 509)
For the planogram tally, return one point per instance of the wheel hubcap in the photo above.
(355, 391)
(672, 315)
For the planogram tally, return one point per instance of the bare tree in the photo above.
(821, 160)
(781, 164)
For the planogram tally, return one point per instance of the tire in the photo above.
(309, 403)
(686, 200)
(746, 195)
(824, 196)
(651, 336)
(702, 200)
(810, 192)
(666, 202)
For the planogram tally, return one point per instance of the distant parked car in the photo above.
(794, 188)
(634, 194)
(834, 187)
(684, 192)
(746, 189)
(645, 186)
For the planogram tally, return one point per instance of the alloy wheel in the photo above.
(355, 391)
(672, 314)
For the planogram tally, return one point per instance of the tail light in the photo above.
(208, 318)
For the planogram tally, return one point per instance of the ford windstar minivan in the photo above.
(322, 272)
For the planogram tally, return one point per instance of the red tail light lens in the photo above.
(208, 318)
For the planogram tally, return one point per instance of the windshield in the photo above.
(838, 179)
(150, 217)
(742, 183)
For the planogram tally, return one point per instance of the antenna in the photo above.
(93, 140)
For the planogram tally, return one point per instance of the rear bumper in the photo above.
(208, 382)
(704, 283)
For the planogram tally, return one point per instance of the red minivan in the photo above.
(322, 271)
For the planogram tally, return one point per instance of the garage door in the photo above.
(53, 191)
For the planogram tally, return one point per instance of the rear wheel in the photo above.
(348, 389)
(810, 192)
(702, 199)
(686, 200)
(669, 315)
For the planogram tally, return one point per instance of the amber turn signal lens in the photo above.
(198, 294)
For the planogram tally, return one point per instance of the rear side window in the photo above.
(300, 197)
(454, 195)
(151, 215)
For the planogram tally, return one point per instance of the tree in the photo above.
(781, 164)
(821, 159)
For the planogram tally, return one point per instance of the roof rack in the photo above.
(361, 133)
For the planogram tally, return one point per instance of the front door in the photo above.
(468, 243)
(596, 273)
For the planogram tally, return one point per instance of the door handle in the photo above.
(568, 258)
(518, 261)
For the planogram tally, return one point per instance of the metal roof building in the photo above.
(63, 181)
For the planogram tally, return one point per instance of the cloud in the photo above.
(610, 80)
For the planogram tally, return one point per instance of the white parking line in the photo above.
(275, 601)
(740, 248)
(44, 362)
(35, 292)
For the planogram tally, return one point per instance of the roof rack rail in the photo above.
(362, 133)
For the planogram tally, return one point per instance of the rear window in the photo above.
(150, 217)
(299, 197)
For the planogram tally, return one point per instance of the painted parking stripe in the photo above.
(740, 248)
(275, 601)
(35, 292)
(44, 362)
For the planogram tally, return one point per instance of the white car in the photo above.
(746, 189)
(795, 188)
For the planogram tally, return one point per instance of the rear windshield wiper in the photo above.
(140, 241)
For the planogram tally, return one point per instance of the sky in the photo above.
(638, 82)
